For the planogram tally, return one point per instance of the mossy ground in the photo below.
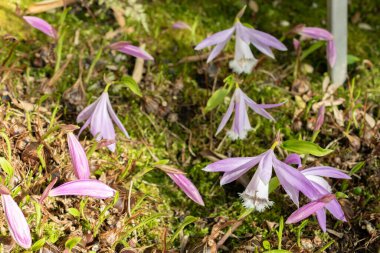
(169, 123)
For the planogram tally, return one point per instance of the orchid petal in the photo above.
(187, 187)
(268, 106)
(84, 187)
(181, 25)
(325, 171)
(18, 226)
(229, 164)
(41, 25)
(321, 217)
(216, 38)
(293, 159)
(336, 210)
(78, 157)
(230, 176)
(265, 166)
(87, 112)
(226, 116)
(257, 109)
(319, 182)
(331, 52)
(216, 51)
(115, 118)
(127, 48)
(316, 33)
(305, 211)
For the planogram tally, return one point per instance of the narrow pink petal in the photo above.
(18, 226)
(87, 112)
(331, 52)
(305, 211)
(257, 109)
(216, 51)
(127, 48)
(325, 171)
(321, 216)
(116, 119)
(265, 166)
(316, 33)
(336, 210)
(230, 176)
(216, 38)
(227, 115)
(181, 25)
(229, 164)
(320, 118)
(296, 44)
(84, 187)
(41, 25)
(78, 157)
(293, 159)
(268, 106)
(187, 187)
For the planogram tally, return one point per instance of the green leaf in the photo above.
(357, 167)
(74, 212)
(131, 84)
(305, 147)
(266, 244)
(188, 220)
(38, 244)
(311, 49)
(72, 242)
(351, 59)
(216, 99)
(273, 184)
(7, 167)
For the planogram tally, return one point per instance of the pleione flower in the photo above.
(18, 226)
(320, 118)
(78, 157)
(99, 116)
(315, 176)
(127, 48)
(241, 125)
(244, 60)
(320, 34)
(187, 187)
(256, 192)
(41, 25)
(83, 187)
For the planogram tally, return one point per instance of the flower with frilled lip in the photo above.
(256, 193)
(18, 226)
(241, 125)
(320, 34)
(99, 116)
(244, 60)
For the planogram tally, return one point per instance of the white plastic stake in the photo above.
(337, 20)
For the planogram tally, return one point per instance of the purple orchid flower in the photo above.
(181, 25)
(320, 34)
(315, 176)
(18, 226)
(244, 60)
(83, 187)
(127, 48)
(241, 125)
(41, 25)
(78, 157)
(98, 116)
(187, 187)
(256, 193)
